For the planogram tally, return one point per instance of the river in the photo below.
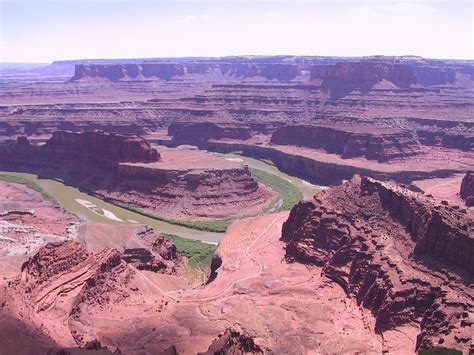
(92, 209)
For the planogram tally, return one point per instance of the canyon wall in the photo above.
(392, 250)
(198, 132)
(366, 73)
(374, 144)
(467, 189)
(168, 71)
(99, 147)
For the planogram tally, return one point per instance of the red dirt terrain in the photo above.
(392, 250)
(27, 221)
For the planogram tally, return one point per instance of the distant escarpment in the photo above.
(393, 250)
(341, 78)
(168, 71)
(374, 144)
(467, 189)
(176, 184)
(61, 281)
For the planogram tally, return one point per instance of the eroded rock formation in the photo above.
(233, 342)
(467, 189)
(61, 279)
(183, 184)
(158, 254)
(392, 250)
(199, 132)
(168, 71)
(374, 144)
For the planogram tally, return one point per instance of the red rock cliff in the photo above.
(467, 189)
(196, 132)
(392, 250)
(167, 71)
(100, 146)
(373, 144)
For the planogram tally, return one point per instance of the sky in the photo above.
(39, 31)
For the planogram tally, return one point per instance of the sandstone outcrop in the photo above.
(233, 342)
(168, 71)
(374, 144)
(99, 147)
(342, 78)
(60, 279)
(199, 132)
(467, 189)
(158, 254)
(392, 250)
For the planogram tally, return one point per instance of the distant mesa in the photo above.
(168, 71)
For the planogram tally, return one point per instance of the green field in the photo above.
(216, 225)
(28, 183)
(199, 254)
(288, 193)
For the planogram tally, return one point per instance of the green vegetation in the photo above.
(199, 254)
(288, 193)
(216, 225)
(440, 351)
(30, 184)
(288, 196)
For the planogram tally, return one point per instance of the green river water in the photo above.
(68, 196)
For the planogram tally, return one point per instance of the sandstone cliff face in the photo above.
(376, 144)
(99, 147)
(62, 280)
(467, 189)
(392, 250)
(342, 78)
(197, 132)
(168, 71)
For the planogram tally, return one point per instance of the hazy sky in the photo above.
(43, 31)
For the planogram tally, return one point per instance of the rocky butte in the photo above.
(392, 250)
(467, 189)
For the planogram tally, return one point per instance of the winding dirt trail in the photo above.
(232, 284)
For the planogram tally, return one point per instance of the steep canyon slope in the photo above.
(400, 254)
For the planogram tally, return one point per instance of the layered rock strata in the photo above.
(185, 184)
(168, 71)
(349, 142)
(392, 250)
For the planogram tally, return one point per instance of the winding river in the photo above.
(92, 209)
